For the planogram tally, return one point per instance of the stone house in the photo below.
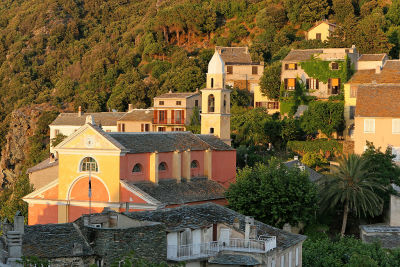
(322, 30)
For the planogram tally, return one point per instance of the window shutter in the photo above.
(317, 84)
(155, 116)
(142, 126)
(295, 66)
(286, 66)
(165, 116)
(308, 83)
(172, 116)
(329, 84)
(286, 83)
(183, 116)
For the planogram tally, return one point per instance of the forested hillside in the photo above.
(104, 54)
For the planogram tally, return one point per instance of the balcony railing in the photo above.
(169, 121)
(204, 250)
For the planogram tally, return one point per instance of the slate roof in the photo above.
(177, 95)
(170, 192)
(100, 118)
(388, 236)
(234, 259)
(138, 115)
(386, 241)
(390, 73)
(372, 57)
(167, 142)
(378, 101)
(302, 54)
(313, 175)
(43, 165)
(53, 241)
(203, 215)
(235, 55)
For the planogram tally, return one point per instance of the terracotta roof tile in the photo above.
(372, 57)
(138, 115)
(301, 55)
(378, 101)
(235, 55)
(390, 73)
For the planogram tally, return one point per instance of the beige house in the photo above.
(372, 69)
(377, 118)
(322, 30)
(291, 69)
(241, 72)
(136, 120)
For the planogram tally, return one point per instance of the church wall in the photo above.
(128, 162)
(167, 158)
(224, 167)
(42, 214)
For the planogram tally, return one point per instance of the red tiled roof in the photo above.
(378, 101)
(390, 73)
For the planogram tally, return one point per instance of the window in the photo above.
(161, 129)
(211, 130)
(297, 256)
(353, 91)
(290, 84)
(196, 103)
(291, 66)
(89, 164)
(56, 132)
(211, 103)
(396, 152)
(229, 69)
(254, 70)
(178, 103)
(161, 103)
(312, 84)
(352, 112)
(224, 103)
(318, 36)
(137, 168)
(369, 125)
(396, 126)
(162, 166)
(334, 85)
(194, 164)
(122, 127)
(178, 129)
(162, 116)
(145, 127)
(179, 117)
(212, 82)
(334, 66)
(273, 105)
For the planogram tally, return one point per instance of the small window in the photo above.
(123, 127)
(56, 132)
(137, 168)
(353, 91)
(369, 125)
(89, 164)
(161, 129)
(290, 84)
(162, 166)
(212, 82)
(312, 84)
(254, 70)
(229, 69)
(161, 103)
(194, 164)
(178, 103)
(352, 112)
(196, 103)
(318, 36)
(211, 130)
(273, 105)
(396, 126)
(334, 66)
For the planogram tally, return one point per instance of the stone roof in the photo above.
(390, 73)
(100, 118)
(54, 241)
(302, 55)
(386, 241)
(313, 175)
(170, 192)
(43, 165)
(372, 57)
(167, 142)
(203, 215)
(387, 236)
(235, 55)
(138, 115)
(378, 101)
(177, 95)
(380, 228)
(234, 259)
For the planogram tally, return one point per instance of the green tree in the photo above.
(313, 160)
(313, 10)
(274, 194)
(352, 187)
(240, 97)
(342, 9)
(270, 82)
(195, 125)
(393, 13)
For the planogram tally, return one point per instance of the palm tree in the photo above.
(352, 186)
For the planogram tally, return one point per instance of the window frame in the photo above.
(366, 121)
(229, 69)
(140, 169)
(161, 102)
(393, 126)
(197, 164)
(254, 70)
(90, 163)
(162, 163)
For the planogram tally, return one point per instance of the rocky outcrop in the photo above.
(22, 126)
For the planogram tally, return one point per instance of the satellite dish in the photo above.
(114, 110)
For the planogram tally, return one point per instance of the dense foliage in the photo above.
(274, 194)
(316, 146)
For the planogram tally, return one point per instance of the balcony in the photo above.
(209, 249)
(169, 121)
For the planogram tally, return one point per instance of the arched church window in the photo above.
(162, 166)
(137, 168)
(194, 164)
(89, 164)
(211, 103)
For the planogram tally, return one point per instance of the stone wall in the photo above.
(72, 262)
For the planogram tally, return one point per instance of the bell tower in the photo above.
(216, 102)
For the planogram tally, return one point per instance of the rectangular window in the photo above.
(254, 70)
(292, 66)
(297, 256)
(56, 132)
(353, 91)
(290, 84)
(179, 129)
(178, 116)
(369, 125)
(396, 152)
(145, 127)
(273, 105)
(196, 103)
(161, 129)
(334, 66)
(229, 69)
(312, 84)
(352, 112)
(396, 126)
(318, 36)
(178, 103)
(162, 116)
(161, 103)
(211, 130)
(123, 127)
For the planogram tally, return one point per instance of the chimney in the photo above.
(89, 119)
(253, 232)
(79, 111)
(14, 243)
(77, 249)
(236, 223)
(130, 107)
(19, 222)
(378, 69)
(249, 222)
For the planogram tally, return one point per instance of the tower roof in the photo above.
(216, 64)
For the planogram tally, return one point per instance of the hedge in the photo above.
(316, 146)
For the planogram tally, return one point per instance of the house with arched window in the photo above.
(131, 171)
